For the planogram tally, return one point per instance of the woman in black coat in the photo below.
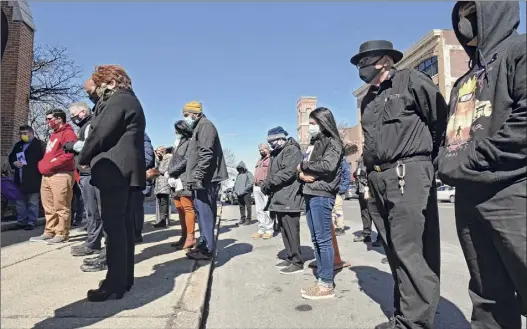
(320, 172)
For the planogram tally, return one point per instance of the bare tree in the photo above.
(55, 83)
(230, 158)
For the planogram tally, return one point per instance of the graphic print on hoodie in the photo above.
(55, 160)
(485, 138)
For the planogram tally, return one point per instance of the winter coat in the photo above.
(31, 177)
(244, 181)
(161, 183)
(281, 184)
(178, 164)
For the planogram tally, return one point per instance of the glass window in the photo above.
(429, 66)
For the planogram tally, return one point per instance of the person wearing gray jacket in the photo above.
(243, 186)
(285, 201)
(162, 188)
(205, 170)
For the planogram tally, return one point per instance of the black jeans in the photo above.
(244, 202)
(138, 214)
(491, 225)
(163, 206)
(290, 228)
(117, 216)
(409, 227)
(92, 204)
(365, 216)
(77, 204)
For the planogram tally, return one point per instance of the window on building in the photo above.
(429, 66)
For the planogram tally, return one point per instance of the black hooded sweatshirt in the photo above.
(485, 141)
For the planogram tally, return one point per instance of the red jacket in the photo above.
(55, 160)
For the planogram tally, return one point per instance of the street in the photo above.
(248, 291)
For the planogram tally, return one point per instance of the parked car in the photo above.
(351, 193)
(446, 193)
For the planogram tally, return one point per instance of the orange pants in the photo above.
(187, 215)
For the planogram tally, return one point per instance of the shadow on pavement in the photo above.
(378, 285)
(228, 249)
(308, 253)
(146, 289)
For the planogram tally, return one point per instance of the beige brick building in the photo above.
(16, 72)
(304, 106)
(439, 54)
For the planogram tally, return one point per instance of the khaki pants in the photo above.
(56, 192)
(338, 214)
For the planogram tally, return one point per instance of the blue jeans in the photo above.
(319, 221)
(206, 211)
(27, 208)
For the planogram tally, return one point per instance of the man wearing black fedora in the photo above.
(403, 117)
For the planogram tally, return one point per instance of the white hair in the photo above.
(80, 106)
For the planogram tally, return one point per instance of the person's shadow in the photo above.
(146, 289)
(228, 249)
(378, 285)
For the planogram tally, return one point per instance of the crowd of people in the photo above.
(477, 143)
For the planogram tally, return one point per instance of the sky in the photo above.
(248, 63)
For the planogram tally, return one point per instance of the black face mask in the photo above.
(468, 27)
(368, 72)
(76, 120)
(94, 98)
(263, 154)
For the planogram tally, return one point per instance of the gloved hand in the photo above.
(265, 189)
(68, 147)
(197, 185)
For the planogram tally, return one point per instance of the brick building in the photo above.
(304, 106)
(16, 72)
(439, 54)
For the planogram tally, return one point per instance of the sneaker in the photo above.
(96, 267)
(257, 235)
(29, 227)
(247, 222)
(41, 238)
(340, 232)
(90, 261)
(20, 225)
(318, 291)
(162, 224)
(57, 239)
(362, 238)
(292, 269)
(377, 243)
(267, 236)
(284, 263)
(199, 255)
(84, 251)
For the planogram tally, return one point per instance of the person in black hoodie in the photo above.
(81, 116)
(485, 155)
(285, 201)
(114, 150)
(320, 172)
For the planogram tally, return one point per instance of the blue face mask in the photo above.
(314, 130)
(189, 120)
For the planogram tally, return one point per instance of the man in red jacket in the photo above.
(57, 169)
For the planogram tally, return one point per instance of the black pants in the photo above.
(117, 216)
(365, 216)
(244, 202)
(290, 228)
(92, 204)
(491, 226)
(163, 206)
(138, 214)
(77, 204)
(409, 227)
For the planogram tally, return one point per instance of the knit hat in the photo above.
(193, 107)
(276, 133)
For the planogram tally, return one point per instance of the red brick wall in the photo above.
(15, 79)
(458, 63)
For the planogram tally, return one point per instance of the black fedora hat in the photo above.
(374, 47)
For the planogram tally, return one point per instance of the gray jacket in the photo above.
(244, 181)
(178, 164)
(281, 184)
(161, 183)
(205, 161)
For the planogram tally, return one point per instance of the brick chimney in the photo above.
(16, 67)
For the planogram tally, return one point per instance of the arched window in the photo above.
(428, 66)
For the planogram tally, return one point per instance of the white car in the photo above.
(446, 193)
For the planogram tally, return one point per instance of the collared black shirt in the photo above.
(401, 125)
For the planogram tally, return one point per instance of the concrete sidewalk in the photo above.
(43, 287)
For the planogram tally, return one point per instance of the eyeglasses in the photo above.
(368, 61)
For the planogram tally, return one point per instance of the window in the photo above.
(428, 66)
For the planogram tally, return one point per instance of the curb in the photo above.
(191, 307)
(10, 226)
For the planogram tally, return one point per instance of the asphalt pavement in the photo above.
(247, 291)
